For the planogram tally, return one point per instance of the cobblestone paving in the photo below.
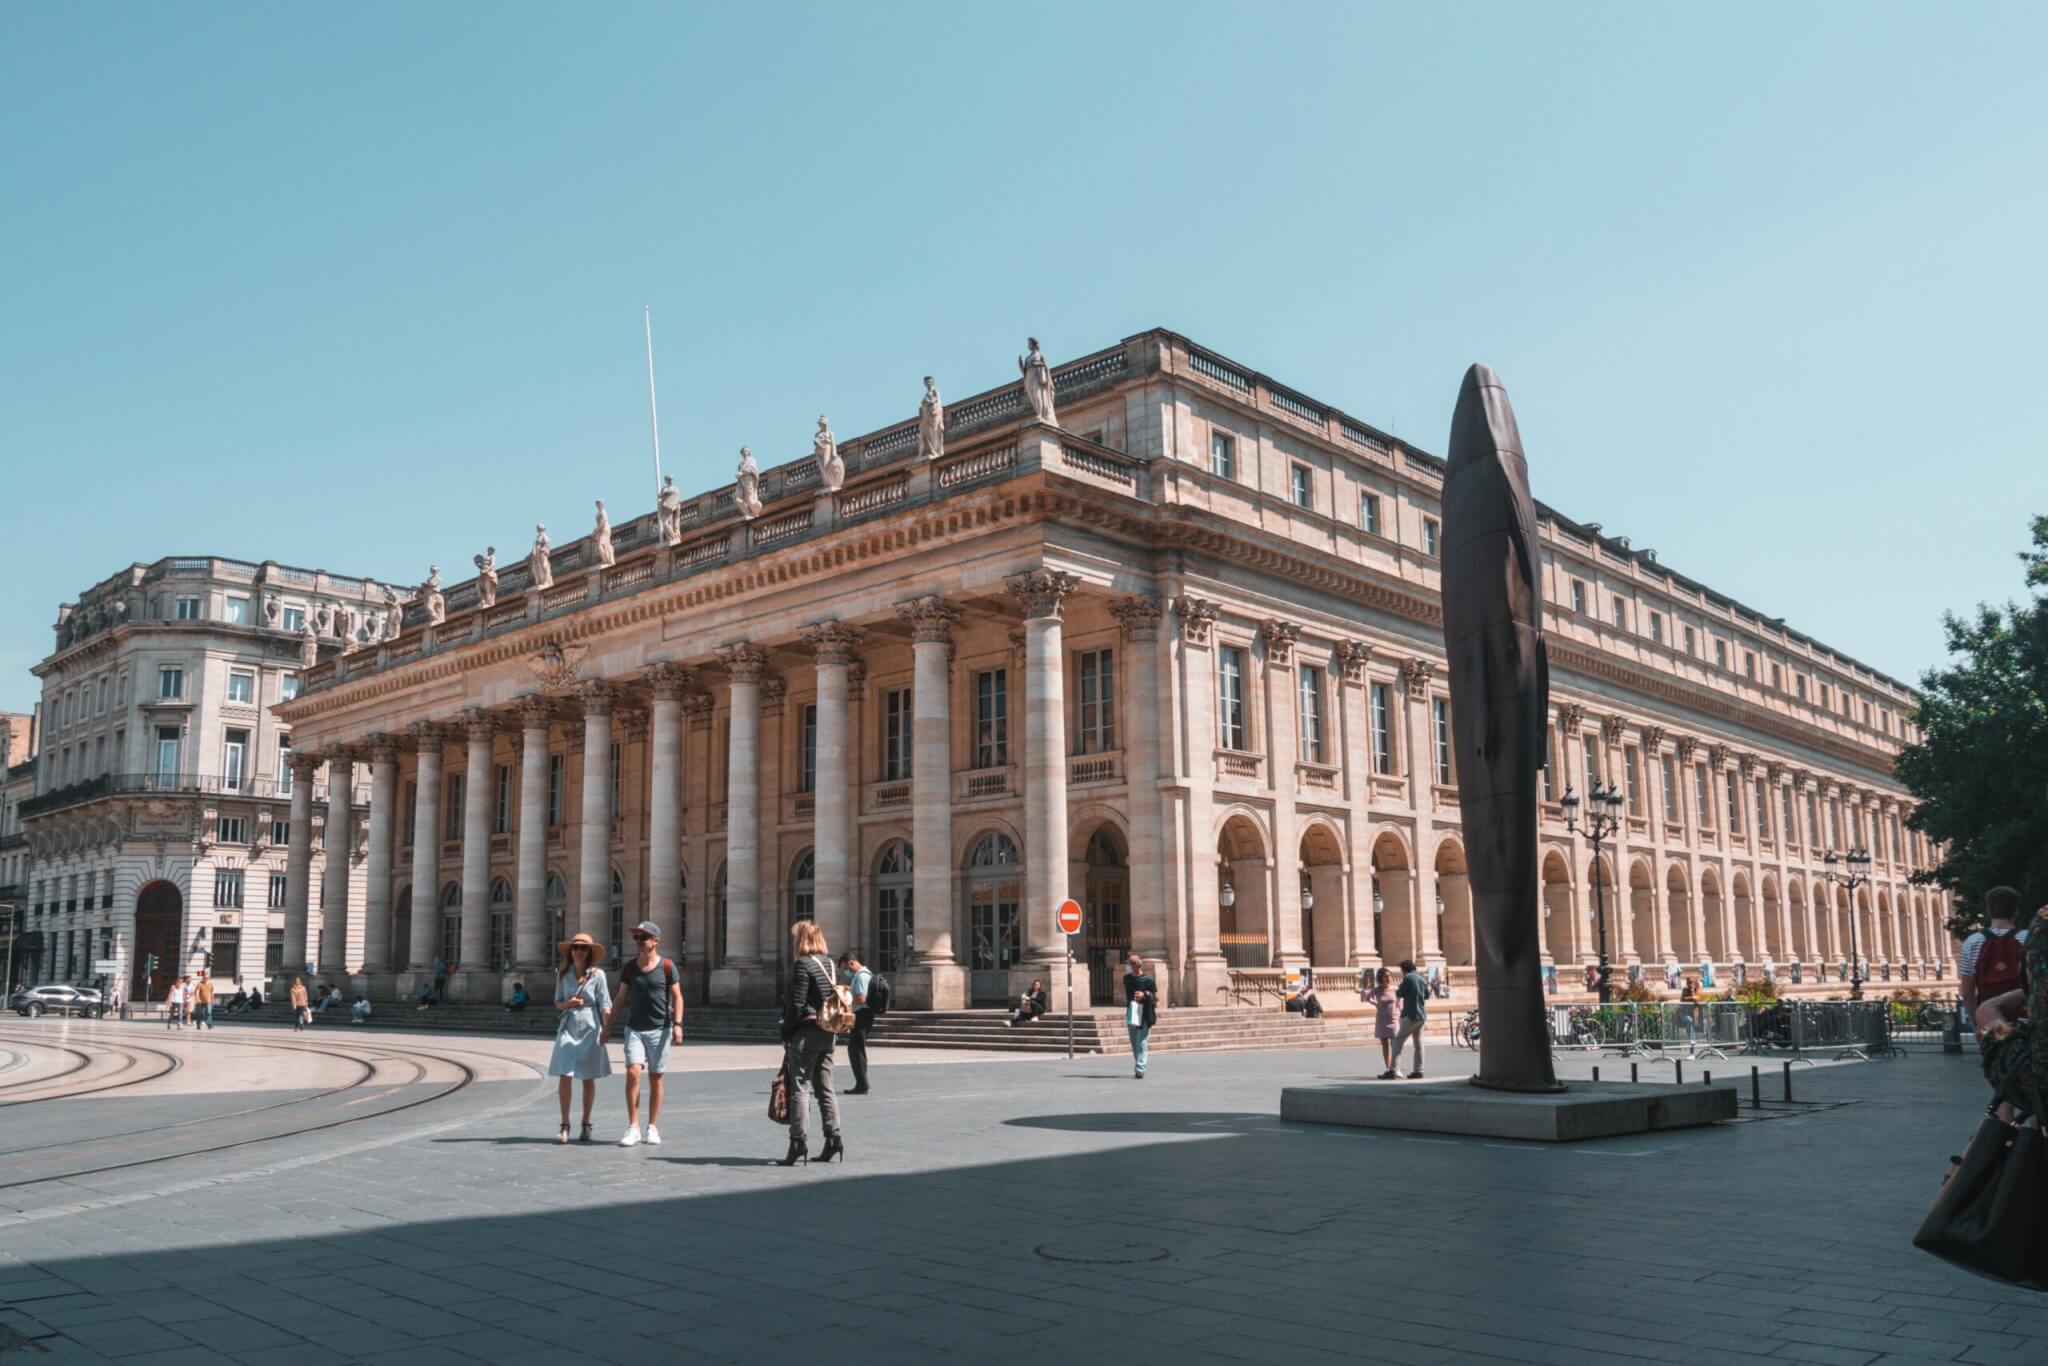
(1012, 1211)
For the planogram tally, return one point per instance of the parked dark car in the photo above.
(58, 1000)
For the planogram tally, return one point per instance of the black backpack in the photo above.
(879, 994)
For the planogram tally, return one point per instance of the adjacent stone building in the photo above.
(1173, 649)
(156, 820)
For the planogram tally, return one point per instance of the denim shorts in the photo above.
(648, 1048)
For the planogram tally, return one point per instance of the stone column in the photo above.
(1140, 707)
(377, 978)
(594, 839)
(665, 804)
(1042, 593)
(426, 859)
(531, 951)
(476, 981)
(1355, 713)
(298, 870)
(934, 980)
(334, 887)
(832, 810)
(1423, 933)
(736, 980)
(1193, 781)
(1283, 751)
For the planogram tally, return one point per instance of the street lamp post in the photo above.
(1603, 818)
(1857, 862)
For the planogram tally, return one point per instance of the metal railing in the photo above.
(1853, 1028)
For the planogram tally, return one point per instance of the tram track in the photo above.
(130, 1059)
(418, 1061)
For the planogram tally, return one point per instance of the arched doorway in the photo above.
(1678, 904)
(1241, 898)
(1454, 906)
(555, 906)
(718, 919)
(1106, 896)
(1321, 888)
(615, 919)
(1392, 936)
(1560, 923)
(1603, 912)
(501, 925)
(1802, 945)
(895, 906)
(803, 889)
(995, 893)
(1715, 912)
(1774, 934)
(1745, 921)
(1644, 930)
(159, 929)
(401, 931)
(451, 926)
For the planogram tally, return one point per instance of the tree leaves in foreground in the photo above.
(1980, 769)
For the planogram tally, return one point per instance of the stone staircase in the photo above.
(1234, 1028)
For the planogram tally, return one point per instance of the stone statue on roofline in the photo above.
(538, 562)
(394, 613)
(1037, 383)
(825, 450)
(746, 487)
(435, 606)
(668, 511)
(601, 539)
(309, 643)
(931, 423)
(487, 577)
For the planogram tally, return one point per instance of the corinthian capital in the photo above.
(1570, 716)
(478, 724)
(1416, 673)
(668, 682)
(1280, 637)
(597, 698)
(931, 619)
(1352, 657)
(742, 662)
(1137, 616)
(831, 642)
(1042, 593)
(1197, 615)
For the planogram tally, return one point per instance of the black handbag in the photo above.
(1986, 1217)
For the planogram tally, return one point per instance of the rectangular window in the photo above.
(1667, 770)
(105, 685)
(1589, 750)
(1222, 456)
(618, 772)
(1549, 761)
(1578, 596)
(233, 830)
(555, 782)
(896, 733)
(1440, 725)
(412, 813)
(1630, 762)
(166, 752)
(1692, 641)
(1302, 485)
(1834, 825)
(1777, 678)
(1699, 796)
(502, 818)
(1382, 728)
(1230, 697)
(1657, 627)
(170, 684)
(1749, 664)
(280, 890)
(241, 687)
(991, 718)
(188, 609)
(284, 766)
(288, 686)
(1310, 682)
(121, 691)
(281, 833)
(1620, 615)
(1720, 654)
(1369, 513)
(1799, 686)
(1097, 728)
(293, 619)
(237, 613)
(227, 887)
(807, 753)
(451, 809)
(234, 760)
(1734, 804)
(1430, 529)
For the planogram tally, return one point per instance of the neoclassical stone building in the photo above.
(1173, 649)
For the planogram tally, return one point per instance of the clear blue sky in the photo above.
(359, 286)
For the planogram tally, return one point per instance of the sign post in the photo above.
(1070, 925)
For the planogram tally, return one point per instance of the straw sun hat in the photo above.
(596, 949)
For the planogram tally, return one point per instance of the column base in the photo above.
(1204, 981)
(934, 985)
(488, 988)
(377, 986)
(743, 984)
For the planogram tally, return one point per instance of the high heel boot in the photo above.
(798, 1152)
(833, 1148)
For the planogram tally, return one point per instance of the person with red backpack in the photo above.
(651, 994)
(1993, 961)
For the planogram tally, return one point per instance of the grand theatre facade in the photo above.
(1175, 653)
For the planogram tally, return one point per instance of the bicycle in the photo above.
(1465, 1033)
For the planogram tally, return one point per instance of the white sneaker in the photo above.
(632, 1137)
(653, 1135)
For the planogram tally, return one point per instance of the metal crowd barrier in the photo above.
(1722, 1028)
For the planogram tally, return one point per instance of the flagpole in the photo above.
(653, 415)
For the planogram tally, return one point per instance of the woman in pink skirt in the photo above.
(1386, 1009)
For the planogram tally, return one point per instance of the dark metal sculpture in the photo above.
(1500, 693)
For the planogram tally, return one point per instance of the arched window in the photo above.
(617, 923)
(995, 891)
(401, 930)
(803, 886)
(894, 925)
(556, 905)
(451, 925)
(682, 914)
(718, 918)
(501, 925)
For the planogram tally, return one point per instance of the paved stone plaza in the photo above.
(990, 1210)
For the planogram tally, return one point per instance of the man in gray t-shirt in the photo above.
(651, 995)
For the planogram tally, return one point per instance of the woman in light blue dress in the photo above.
(583, 999)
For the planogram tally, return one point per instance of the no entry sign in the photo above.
(1070, 917)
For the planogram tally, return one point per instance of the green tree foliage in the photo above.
(1980, 769)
